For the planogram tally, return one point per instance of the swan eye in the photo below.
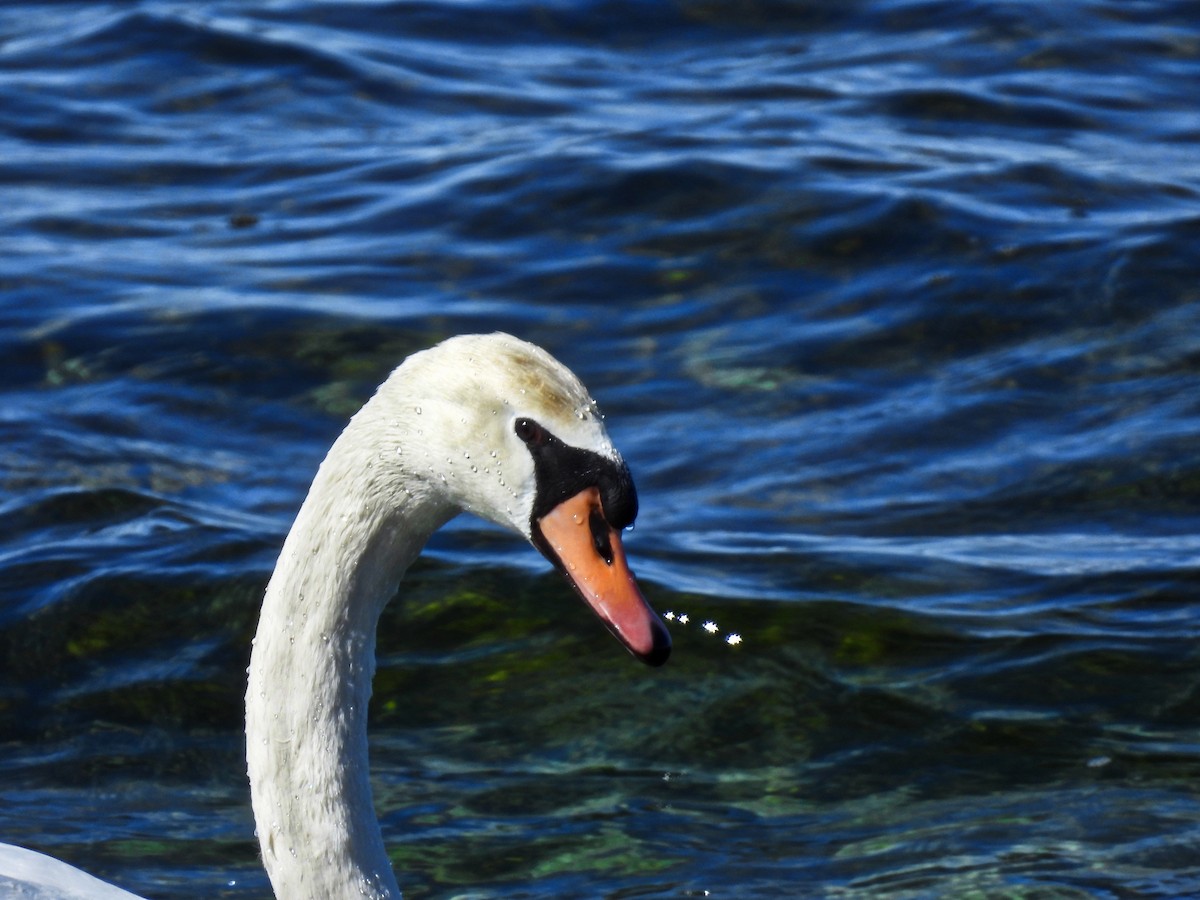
(530, 432)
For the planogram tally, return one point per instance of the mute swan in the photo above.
(484, 423)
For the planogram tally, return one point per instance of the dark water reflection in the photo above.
(892, 307)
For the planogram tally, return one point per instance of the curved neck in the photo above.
(310, 678)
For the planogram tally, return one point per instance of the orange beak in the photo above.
(578, 539)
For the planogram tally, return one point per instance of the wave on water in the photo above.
(892, 307)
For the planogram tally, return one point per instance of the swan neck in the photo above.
(310, 679)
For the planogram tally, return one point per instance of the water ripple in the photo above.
(891, 305)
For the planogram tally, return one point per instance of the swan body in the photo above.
(34, 876)
(482, 423)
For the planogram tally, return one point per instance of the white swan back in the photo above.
(29, 875)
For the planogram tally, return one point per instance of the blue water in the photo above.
(892, 306)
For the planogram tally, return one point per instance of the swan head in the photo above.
(496, 426)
